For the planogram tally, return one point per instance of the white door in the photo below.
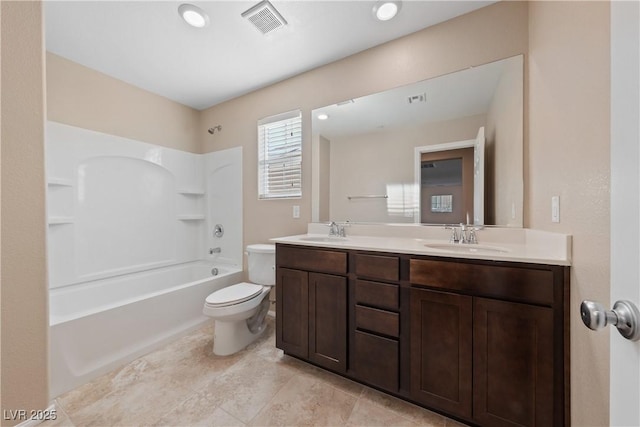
(625, 204)
(478, 178)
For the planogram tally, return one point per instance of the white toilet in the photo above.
(240, 310)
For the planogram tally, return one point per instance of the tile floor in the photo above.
(184, 384)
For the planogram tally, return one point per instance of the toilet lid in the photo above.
(233, 294)
(262, 248)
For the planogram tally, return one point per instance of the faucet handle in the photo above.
(473, 238)
(342, 228)
(333, 228)
(454, 234)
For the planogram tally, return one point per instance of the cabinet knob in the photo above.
(624, 316)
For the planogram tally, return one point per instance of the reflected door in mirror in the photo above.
(446, 186)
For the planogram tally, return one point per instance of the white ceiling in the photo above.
(146, 43)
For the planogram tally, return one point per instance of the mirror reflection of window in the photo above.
(401, 201)
(442, 203)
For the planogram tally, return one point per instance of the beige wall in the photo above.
(491, 33)
(80, 96)
(569, 145)
(24, 283)
(383, 162)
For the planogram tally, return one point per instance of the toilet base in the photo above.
(231, 337)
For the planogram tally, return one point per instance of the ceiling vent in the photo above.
(347, 102)
(264, 17)
(414, 99)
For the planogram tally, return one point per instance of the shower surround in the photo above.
(130, 228)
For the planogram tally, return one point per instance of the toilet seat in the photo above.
(234, 294)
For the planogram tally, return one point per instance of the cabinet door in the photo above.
(513, 364)
(375, 360)
(292, 311)
(328, 321)
(441, 350)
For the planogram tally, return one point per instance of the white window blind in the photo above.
(280, 156)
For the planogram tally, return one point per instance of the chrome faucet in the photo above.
(214, 251)
(336, 229)
(465, 235)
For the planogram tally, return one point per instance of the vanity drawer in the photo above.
(382, 295)
(380, 321)
(499, 281)
(375, 360)
(377, 267)
(312, 259)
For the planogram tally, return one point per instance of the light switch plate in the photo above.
(555, 209)
(296, 211)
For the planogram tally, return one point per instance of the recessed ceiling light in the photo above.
(193, 15)
(385, 10)
(323, 116)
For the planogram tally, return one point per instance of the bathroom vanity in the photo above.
(481, 336)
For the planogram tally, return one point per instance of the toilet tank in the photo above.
(262, 262)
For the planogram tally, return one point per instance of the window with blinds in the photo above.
(280, 156)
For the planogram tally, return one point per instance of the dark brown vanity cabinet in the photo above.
(484, 341)
(488, 341)
(312, 305)
(375, 325)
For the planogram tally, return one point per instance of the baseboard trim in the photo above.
(34, 422)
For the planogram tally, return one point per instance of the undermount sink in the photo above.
(323, 239)
(466, 248)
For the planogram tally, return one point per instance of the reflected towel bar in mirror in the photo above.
(373, 196)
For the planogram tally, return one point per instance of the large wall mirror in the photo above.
(366, 152)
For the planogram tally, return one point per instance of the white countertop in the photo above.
(497, 244)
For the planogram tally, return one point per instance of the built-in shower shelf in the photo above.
(59, 182)
(58, 220)
(191, 192)
(191, 217)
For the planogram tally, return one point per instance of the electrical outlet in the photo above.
(296, 211)
(555, 209)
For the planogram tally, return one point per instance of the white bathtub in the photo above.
(100, 325)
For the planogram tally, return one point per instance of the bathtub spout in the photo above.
(214, 251)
